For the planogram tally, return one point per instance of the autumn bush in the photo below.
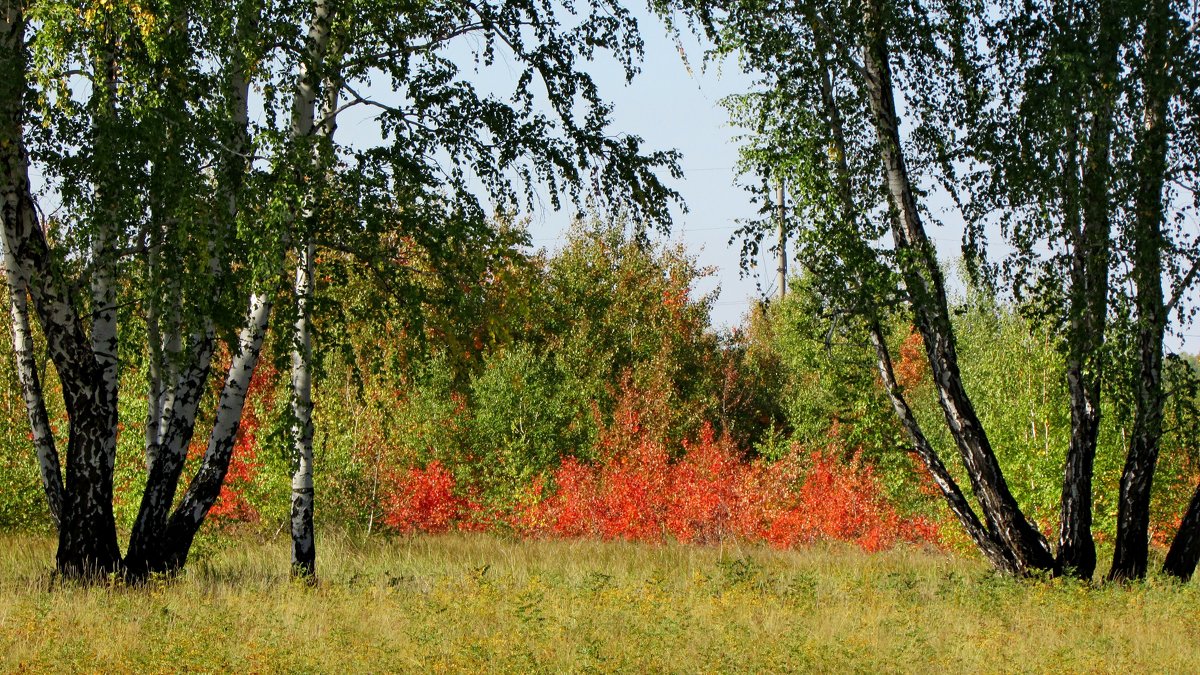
(708, 492)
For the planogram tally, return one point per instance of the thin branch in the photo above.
(1188, 279)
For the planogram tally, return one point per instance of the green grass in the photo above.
(482, 603)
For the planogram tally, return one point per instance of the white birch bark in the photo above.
(303, 493)
(205, 486)
(303, 536)
(925, 287)
(154, 376)
(151, 544)
(17, 282)
(87, 529)
(103, 281)
(31, 388)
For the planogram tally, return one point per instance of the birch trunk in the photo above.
(1185, 549)
(171, 552)
(303, 536)
(87, 530)
(171, 548)
(926, 289)
(1088, 310)
(155, 394)
(16, 277)
(18, 214)
(31, 390)
(995, 551)
(1150, 157)
(104, 226)
(150, 548)
(304, 561)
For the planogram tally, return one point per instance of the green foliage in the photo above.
(618, 307)
(553, 343)
(833, 381)
(523, 420)
(22, 501)
(826, 390)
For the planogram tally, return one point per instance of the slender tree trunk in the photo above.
(1090, 263)
(781, 265)
(303, 537)
(1074, 540)
(171, 552)
(171, 548)
(103, 274)
(304, 125)
(27, 373)
(31, 390)
(155, 390)
(995, 551)
(926, 289)
(1150, 156)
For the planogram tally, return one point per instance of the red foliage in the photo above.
(711, 494)
(424, 500)
(708, 495)
(912, 364)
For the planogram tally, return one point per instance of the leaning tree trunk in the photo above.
(166, 461)
(1150, 158)
(995, 551)
(17, 207)
(171, 550)
(1185, 549)
(31, 390)
(927, 295)
(178, 397)
(87, 529)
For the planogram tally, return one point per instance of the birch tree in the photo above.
(1040, 121)
(183, 212)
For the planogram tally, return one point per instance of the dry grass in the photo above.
(481, 603)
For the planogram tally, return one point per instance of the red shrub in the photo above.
(711, 494)
(423, 500)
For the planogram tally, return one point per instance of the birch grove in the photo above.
(1061, 128)
(191, 147)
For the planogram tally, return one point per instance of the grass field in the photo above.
(481, 603)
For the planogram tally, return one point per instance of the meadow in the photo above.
(486, 603)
